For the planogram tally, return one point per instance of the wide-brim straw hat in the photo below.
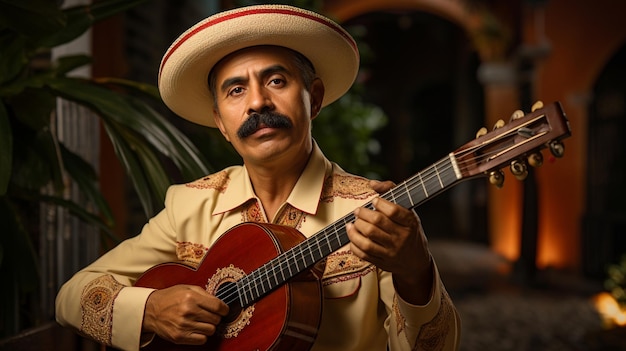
(183, 75)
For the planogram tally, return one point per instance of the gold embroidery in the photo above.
(291, 217)
(252, 212)
(190, 252)
(97, 308)
(400, 320)
(433, 334)
(218, 181)
(346, 187)
(343, 265)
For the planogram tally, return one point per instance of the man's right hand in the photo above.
(183, 314)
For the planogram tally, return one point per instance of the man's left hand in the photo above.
(391, 237)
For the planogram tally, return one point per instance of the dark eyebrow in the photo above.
(273, 69)
(263, 74)
(231, 81)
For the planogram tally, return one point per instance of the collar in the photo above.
(311, 181)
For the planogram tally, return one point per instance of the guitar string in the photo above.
(428, 175)
(253, 283)
(298, 256)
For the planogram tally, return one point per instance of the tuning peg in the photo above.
(535, 159)
(557, 148)
(537, 105)
(517, 114)
(519, 169)
(496, 178)
(499, 124)
(482, 131)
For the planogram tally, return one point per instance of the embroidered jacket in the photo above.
(361, 310)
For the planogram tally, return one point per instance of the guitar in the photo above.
(268, 275)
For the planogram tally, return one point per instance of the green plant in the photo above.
(616, 281)
(31, 156)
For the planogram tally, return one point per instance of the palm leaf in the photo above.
(80, 212)
(133, 167)
(87, 181)
(80, 18)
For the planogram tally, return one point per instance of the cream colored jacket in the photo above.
(361, 310)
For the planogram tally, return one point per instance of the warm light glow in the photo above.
(611, 312)
(505, 220)
(551, 249)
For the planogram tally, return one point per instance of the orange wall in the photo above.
(583, 35)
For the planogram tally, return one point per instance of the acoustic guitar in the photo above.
(267, 273)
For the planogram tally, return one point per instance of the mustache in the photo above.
(267, 118)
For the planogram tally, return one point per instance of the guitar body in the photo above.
(287, 318)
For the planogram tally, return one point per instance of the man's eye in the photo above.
(236, 91)
(276, 81)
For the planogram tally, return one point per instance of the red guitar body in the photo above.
(285, 319)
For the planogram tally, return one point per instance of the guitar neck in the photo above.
(409, 194)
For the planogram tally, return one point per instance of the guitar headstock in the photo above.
(516, 144)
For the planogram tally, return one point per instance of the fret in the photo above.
(303, 258)
(273, 270)
(319, 254)
(408, 194)
(319, 249)
(338, 239)
(327, 237)
(282, 272)
(238, 289)
(245, 294)
(267, 283)
(261, 290)
(256, 288)
(438, 176)
(311, 253)
(289, 267)
(422, 182)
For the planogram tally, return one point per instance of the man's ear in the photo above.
(317, 97)
(220, 125)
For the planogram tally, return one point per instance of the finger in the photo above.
(213, 305)
(203, 328)
(367, 224)
(381, 186)
(362, 246)
(394, 212)
(376, 224)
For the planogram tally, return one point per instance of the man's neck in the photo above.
(273, 183)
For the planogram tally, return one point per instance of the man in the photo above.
(261, 74)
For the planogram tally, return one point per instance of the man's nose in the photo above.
(259, 100)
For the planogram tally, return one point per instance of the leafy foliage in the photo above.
(32, 157)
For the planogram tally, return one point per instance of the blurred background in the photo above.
(537, 264)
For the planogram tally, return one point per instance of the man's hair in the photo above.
(307, 72)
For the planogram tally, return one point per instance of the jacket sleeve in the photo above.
(434, 326)
(100, 302)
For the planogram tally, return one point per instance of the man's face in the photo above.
(262, 105)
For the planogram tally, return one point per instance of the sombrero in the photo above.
(186, 64)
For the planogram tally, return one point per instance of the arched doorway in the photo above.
(604, 222)
(421, 70)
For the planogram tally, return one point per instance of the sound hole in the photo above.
(227, 292)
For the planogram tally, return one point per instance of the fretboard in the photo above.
(409, 194)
